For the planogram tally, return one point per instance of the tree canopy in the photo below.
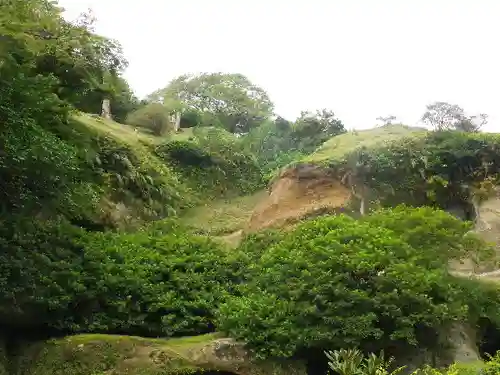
(446, 116)
(237, 103)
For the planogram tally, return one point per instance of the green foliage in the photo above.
(336, 282)
(461, 369)
(236, 103)
(313, 129)
(147, 283)
(154, 117)
(41, 271)
(446, 116)
(353, 362)
(38, 172)
(414, 225)
(272, 144)
(123, 172)
(122, 99)
(446, 168)
(213, 164)
(279, 142)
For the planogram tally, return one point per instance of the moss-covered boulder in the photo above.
(108, 354)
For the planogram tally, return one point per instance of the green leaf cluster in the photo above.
(445, 168)
(337, 282)
(213, 164)
(56, 277)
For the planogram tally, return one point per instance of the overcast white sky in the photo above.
(360, 58)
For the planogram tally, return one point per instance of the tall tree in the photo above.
(442, 115)
(312, 129)
(446, 116)
(237, 103)
(472, 124)
(386, 120)
(47, 64)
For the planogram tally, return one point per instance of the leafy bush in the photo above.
(154, 285)
(154, 117)
(335, 281)
(213, 164)
(312, 129)
(41, 271)
(443, 169)
(272, 144)
(415, 225)
(54, 276)
(353, 362)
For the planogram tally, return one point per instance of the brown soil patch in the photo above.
(297, 192)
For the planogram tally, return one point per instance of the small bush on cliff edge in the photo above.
(336, 282)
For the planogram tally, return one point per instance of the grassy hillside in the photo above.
(131, 183)
(339, 146)
(128, 133)
(223, 216)
(204, 170)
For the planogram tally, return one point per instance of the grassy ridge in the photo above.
(341, 145)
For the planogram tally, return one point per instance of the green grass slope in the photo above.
(201, 175)
(133, 184)
(223, 216)
(339, 146)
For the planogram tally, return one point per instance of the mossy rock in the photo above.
(113, 355)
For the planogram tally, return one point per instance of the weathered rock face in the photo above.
(487, 226)
(488, 220)
(108, 354)
(460, 348)
(295, 193)
(463, 344)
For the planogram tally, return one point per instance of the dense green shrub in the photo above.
(445, 169)
(337, 282)
(353, 362)
(280, 142)
(154, 285)
(425, 228)
(54, 276)
(213, 164)
(154, 117)
(272, 144)
(41, 272)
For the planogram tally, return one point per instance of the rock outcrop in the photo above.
(297, 192)
(487, 226)
(110, 355)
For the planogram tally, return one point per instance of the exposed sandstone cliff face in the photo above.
(295, 193)
(487, 226)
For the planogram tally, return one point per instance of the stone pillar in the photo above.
(106, 109)
(176, 121)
